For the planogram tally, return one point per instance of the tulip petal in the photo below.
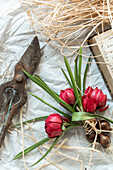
(102, 100)
(57, 119)
(56, 133)
(54, 117)
(85, 103)
(88, 91)
(103, 109)
(70, 97)
(54, 126)
(63, 96)
(89, 104)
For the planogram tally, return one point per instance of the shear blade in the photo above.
(31, 57)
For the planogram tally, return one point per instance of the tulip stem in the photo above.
(71, 126)
(85, 74)
(75, 103)
(67, 124)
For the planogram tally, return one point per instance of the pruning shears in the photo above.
(15, 89)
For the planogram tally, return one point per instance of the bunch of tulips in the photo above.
(81, 105)
(93, 99)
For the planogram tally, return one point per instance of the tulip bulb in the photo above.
(104, 140)
(91, 137)
(104, 125)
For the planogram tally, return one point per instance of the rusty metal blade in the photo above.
(31, 57)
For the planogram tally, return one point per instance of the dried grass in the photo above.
(63, 151)
(66, 23)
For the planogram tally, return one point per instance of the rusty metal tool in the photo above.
(28, 62)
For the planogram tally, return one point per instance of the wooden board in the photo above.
(102, 48)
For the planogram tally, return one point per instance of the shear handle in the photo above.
(13, 110)
(17, 84)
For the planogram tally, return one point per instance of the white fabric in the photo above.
(15, 36)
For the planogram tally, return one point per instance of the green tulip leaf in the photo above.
(49, 91)
(66, 78)
(30, 121)
(73, 83)
(79, 70)
(42, 81)
(75, 70)
(29, 149)
(81, 116)
(64, 114)
(85, 74)
(54, 143)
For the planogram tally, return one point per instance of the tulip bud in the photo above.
(68, 96)
(89, 104)
(53, 125)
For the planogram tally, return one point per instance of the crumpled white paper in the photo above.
(15, 36)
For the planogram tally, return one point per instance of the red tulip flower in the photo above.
(98, 96)
(68, 96)
(89, 104)
(53, 125)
